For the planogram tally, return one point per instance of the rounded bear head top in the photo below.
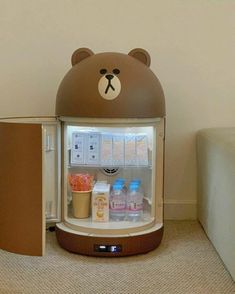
(110, 85)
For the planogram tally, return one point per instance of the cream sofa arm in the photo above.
(216, 190)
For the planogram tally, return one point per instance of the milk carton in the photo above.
(100, 202)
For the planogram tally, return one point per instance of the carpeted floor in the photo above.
(186, 262)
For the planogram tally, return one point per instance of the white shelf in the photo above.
(108, 225)
(152, 228)
(111, 227)
(109, 166)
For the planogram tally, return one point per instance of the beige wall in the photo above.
(192, 45)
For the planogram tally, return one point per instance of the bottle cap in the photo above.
(133, 186)
(117, 186)
(120, 180)
(136, 181)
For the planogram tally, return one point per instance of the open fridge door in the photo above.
(29, 183)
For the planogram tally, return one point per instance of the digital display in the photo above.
(107, 248)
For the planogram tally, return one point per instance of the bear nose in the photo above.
(109, 77)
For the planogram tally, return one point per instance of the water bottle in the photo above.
(121, 181)
(134, 202)
(117, 202)
(136, 180)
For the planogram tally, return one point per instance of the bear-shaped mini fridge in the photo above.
(96, 169)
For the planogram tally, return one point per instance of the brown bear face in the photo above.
(110, 85)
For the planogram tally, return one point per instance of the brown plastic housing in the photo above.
(110, 85)
(141, 94)
(130, 245)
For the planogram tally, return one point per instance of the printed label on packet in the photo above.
(93, 148)
(106, 149)
(130, 149)
(141, 150)
(118, 150)
(77, 150)
(100, 207)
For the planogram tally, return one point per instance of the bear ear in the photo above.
(142, 55)
(80, 54)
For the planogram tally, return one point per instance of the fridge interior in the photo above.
(108, 153)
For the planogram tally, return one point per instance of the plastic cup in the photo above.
(81, 203)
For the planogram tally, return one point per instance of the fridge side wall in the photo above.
(52, 171)
(159, 174)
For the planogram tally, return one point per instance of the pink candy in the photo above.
(80, 182)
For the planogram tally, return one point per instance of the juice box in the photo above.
(100, 202)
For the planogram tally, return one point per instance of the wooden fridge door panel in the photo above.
(21, 202)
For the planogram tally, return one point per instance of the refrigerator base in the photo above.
(109, 246)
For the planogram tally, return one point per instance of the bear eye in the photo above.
(116, 71)
(103, 71)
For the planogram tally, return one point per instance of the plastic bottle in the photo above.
(134, 202)
(137, 181)
(121, 181)
(117, 203)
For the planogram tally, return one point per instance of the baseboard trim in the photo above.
(180, 209)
